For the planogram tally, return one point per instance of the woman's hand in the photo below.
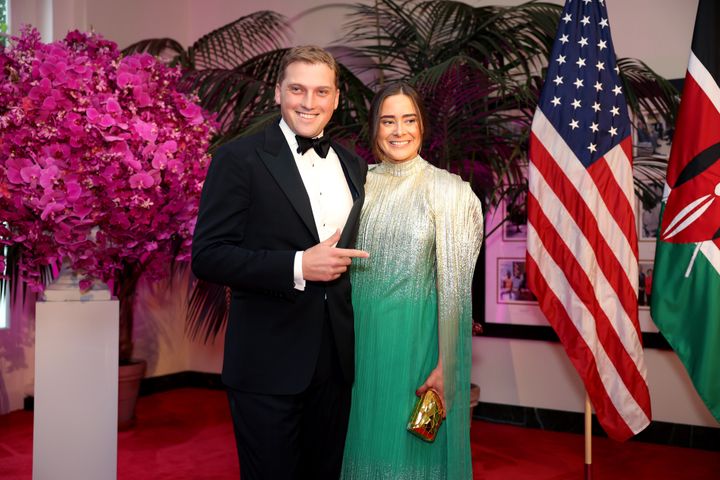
(436, 382)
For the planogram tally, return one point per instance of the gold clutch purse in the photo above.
(426, 417)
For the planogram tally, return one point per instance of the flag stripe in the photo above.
(607, 174)
(612, 398)
(582, 359)
(704, 80)
(706, 36)
(608, 318)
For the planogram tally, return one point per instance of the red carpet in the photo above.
(186, 434)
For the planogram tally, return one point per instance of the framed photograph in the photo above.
(512, 283)
(645, 270)
(655, 139)
(649, 221)
(515, 227)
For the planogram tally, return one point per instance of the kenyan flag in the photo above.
(685, 301)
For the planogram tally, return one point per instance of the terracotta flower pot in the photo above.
(130, 377)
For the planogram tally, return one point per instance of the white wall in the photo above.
(159, 331)
(656, 31)
(538, 374)
(513, 372)
(184, 20)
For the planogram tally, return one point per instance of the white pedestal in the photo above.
(76, 390)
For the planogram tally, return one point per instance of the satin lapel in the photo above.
(352, 173)
(357, 188)
(278, 159)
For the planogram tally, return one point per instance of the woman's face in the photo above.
(399, 133)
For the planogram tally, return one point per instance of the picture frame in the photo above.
(649, 215)
(645, 271)
(515, 227)
(512, 282)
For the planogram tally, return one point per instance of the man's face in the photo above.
(307, 97)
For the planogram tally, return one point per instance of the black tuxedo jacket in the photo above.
(254, 216)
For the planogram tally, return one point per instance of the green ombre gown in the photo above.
(423, 229)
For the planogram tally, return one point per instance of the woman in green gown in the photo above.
(423, 229)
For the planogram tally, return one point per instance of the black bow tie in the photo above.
(320, 144)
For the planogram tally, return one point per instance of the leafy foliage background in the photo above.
(479, 69)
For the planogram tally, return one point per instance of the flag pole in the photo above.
(588, 437)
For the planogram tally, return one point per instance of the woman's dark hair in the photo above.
(399, 88)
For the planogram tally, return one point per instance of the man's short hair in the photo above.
(311, 54)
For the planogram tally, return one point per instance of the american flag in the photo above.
(582, 258)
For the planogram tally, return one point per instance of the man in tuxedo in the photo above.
(278, 215)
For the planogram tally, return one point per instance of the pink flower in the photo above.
(73, 191)
(49, 103)
(85, 284)
(74, 123)
(92, 114)
(57, 151)
(193, 113)
(146, 130)
(159, 160)
(81, 211)
(142, 98)
(106, 121)
(30, 174)
(175, 166)
(14, 167)
(104, 157)
(141, 180)
(50, 209)
(40, 91)
(112, 106)
(48, 177)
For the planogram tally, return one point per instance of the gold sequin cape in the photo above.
(423, 228)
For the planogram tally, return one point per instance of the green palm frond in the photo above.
(236, 43)
(237, 95)
(475, 131)
(349, 122)
(408, 37)
(208, 308)
(648, 94)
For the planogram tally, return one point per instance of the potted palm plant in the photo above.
(103, 160)
(480, 70)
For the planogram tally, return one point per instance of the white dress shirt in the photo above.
(327, 189)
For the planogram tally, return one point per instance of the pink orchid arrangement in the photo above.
(102, 158)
